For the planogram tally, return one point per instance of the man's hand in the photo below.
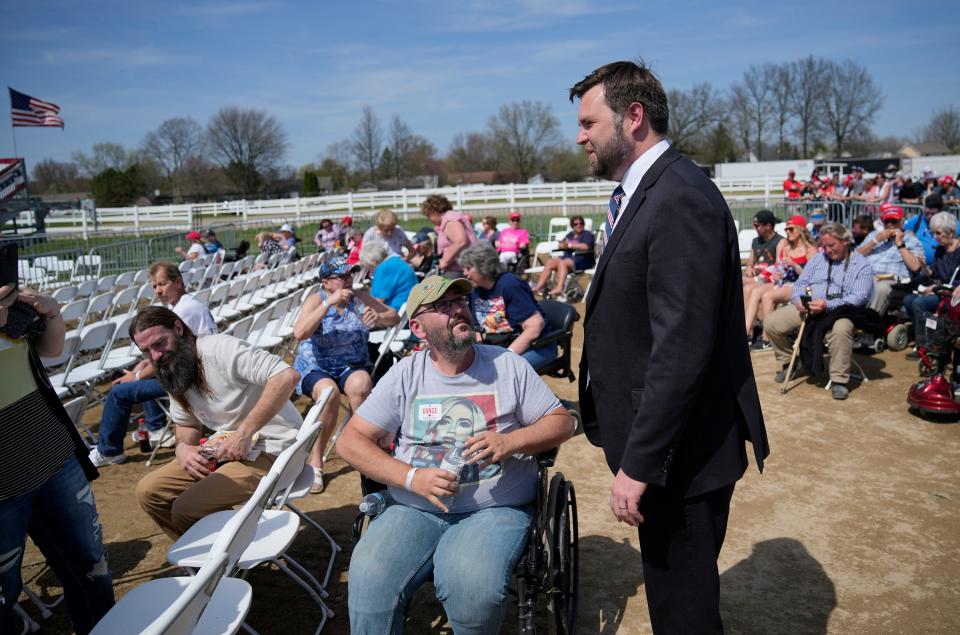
(898, 237)
(340, 296)
(369, 317)
(43, 304)
(625, 494)
(488, 447)
(192, 461)
(433, 484)
(818, 306)
(127, 376)
(234, 447)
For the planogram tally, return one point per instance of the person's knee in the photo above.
(147, 493)
(322, 385)
(843, 328)
(480, 581)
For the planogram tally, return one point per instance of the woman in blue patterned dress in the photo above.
(333, 329)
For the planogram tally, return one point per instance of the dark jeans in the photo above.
(119, 405)
(61, 518)
(916, 305)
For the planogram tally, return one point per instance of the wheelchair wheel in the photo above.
(563, 557)
(897, 338)
(574, 292)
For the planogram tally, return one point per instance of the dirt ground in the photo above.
(853, 528)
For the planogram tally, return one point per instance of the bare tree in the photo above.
(472, 152)
(399, 141)
(103, 156)
(523, 130)
(806, 86)
(56, 177)
(944, 127)
(755, 96)
(366, 146)
(777, 78)
(741, 117)
(692, 113)
(247, 143)
(172, 144)
(850, 101)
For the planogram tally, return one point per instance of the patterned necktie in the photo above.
(613, 209)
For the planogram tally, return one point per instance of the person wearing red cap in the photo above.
(792, 187)
(792, 256)
(512, 241)
(950, 193)
(196, 249)
(893, 255)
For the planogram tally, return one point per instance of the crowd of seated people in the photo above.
(889, 186)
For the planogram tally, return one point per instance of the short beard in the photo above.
(448, 344)
(181, 371)
(609, 157)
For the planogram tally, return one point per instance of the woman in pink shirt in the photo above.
(512, 240)
(454, 233)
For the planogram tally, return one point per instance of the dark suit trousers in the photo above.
(680, 541)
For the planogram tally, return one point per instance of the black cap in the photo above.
(934, 201)
(765, 217)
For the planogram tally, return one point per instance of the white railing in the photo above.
(563, 198)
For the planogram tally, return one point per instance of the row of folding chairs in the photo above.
(228, 544)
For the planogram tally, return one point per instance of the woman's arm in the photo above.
(377, 314)
(531, 328)
(311, 315)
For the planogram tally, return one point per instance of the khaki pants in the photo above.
(880, 300)
(782, 326)
(175, 500)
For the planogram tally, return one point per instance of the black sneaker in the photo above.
(781, 376)
(760, 345)
(839, 391)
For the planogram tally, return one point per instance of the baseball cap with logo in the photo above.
(892, 212)
(432, 289)
(336, 267)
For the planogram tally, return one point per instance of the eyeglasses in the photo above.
(577, 224)
(891, 221)
(445, 306)
(790, 229)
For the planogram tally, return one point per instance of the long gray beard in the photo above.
(181, 372)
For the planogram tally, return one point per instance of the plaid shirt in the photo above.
(848, 282)
(886, 258)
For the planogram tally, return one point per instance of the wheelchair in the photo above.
(559, 328)
(550, 565)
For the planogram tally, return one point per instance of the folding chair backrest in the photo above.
(290, 462)
(125, 300)
(47, 262)
(183, 613)
(185, 265)
(70, 345)
(86, 288)
(95, 336)
(145, 293)
(241, 328)
(226, 269)
(122, 332)
(141, 277)
(237, 533)
(65, 294)
(202, 296)
(124, 280)
(260, 320)
(74, 311)
(100, 303)
(106, 283)
(218, 294)
(74, 408)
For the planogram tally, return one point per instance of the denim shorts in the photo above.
(310, 379)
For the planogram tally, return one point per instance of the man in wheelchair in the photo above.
(468, 532)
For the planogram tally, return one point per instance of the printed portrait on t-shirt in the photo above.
(441, 421)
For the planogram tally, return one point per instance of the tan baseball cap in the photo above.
(432, 289)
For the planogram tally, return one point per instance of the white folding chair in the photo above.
(241, 328)
(87, 268)
(64, 294)
(544, 248)
(158, 607)
(86, 288)
(277, 528)
(106, 283)
(124, 280)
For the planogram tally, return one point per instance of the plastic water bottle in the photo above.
(143, 436)
(373, 504)
(453, 460)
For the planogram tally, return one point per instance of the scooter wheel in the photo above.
(897, 338)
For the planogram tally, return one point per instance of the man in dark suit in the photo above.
(666, 384)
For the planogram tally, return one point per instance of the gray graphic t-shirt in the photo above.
(430, 412)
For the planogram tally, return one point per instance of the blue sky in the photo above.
(118, 69)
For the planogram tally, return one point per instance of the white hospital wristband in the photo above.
(408, 485)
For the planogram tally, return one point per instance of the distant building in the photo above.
(925, 149)
(489, 177)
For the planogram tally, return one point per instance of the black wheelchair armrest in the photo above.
(548, 457)
(549, 338)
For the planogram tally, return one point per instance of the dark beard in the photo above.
(610, 156)
(180, 370)
(449, 345)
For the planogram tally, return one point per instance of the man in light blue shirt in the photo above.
(893, 255)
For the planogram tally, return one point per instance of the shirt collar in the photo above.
(634, 174)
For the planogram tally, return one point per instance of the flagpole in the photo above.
(13, 130)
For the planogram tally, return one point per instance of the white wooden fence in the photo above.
(560, 198)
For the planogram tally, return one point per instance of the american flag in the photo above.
(28, 111)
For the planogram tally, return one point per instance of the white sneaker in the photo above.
(100, 460)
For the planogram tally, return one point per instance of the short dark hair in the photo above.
(577, 218)
(864, 221)
(625, 83)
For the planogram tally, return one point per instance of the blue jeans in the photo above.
(916, 305)
(119, 405)
(538, 357)
(61, 517)
(471, 557)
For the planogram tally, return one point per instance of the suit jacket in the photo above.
(671, 395)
